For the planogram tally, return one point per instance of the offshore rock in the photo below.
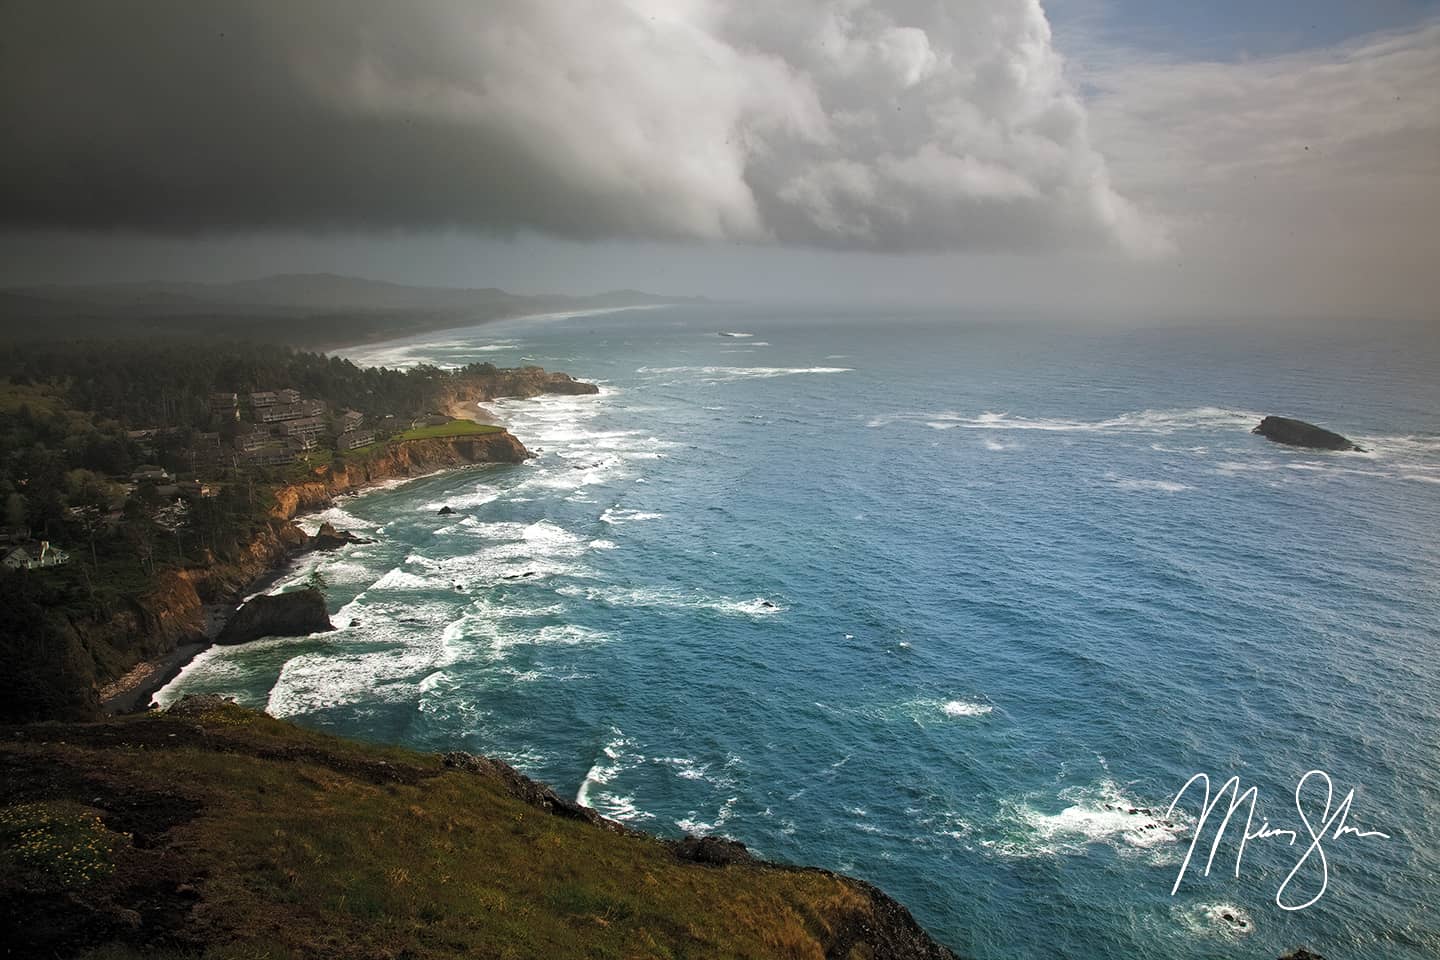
(328, 538)
(295, 614)
(1298, 433)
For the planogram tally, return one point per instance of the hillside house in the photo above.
(35, 556)
(226, 406)
(290, 411)
(351, 439)
(306, 430)
(150, 473)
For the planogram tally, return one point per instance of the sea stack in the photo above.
(295, 614)
(1298, 433)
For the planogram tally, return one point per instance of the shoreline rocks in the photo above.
(329, 538)
(1298, 433)
(298, 613)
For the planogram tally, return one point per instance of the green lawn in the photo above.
(455, 428)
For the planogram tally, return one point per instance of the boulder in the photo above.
(1302, 954)
(328, 538)
(712, 851)
(1298, 433)
(445, 511)
(295, 614)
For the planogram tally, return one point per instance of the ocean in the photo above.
(954, 604)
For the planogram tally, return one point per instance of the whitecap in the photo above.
(655, 597)
(1224, 921)
(712, 374)
(1098, 813)
(618, 515)
(1154, 486)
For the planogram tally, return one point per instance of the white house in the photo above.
(26, 557)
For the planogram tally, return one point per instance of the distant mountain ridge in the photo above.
(300, 308)
(319, 291)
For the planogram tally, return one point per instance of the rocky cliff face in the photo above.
(516, 382)
(408, 459)
(298, 613)
(90, 654)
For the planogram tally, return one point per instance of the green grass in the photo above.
(299, 844)
(61, 842)
(455, 428)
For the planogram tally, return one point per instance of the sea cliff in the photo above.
(91, 662)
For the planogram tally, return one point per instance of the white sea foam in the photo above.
(1142, 421)
(660, 597)
(965, 708)
(615, 515)
(712, 374)
(614, 757)
(1098, 813)
(692, 825)
(1223, 921)
(926, 711)
(336, 515)
(1152, 486)
(398, 579)
(321, 680)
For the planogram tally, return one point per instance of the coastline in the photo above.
(134, 692)
(471, 410)
(426, 330)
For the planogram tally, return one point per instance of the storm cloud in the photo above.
(890, 126)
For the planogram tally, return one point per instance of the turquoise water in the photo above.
(934, 602)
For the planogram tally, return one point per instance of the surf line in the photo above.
(1332, 825)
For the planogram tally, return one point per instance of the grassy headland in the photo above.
(455, 428)
(213, 831)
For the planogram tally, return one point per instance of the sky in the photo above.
(1095, 156)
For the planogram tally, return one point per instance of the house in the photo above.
(348, 420)
(269, 455)
(195, 488)
(249, 442)
(206, 451)
(287, 395)
(351, 439)
(225, 405)
(290, 411)
(308, 430)
(149, 439)
(35, 556)
(260, 399)
(149, 473)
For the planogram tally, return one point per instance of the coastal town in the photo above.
(251, 434)
(136, 510)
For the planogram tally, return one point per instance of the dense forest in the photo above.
(167, 383)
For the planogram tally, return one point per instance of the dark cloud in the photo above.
(883, 125)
